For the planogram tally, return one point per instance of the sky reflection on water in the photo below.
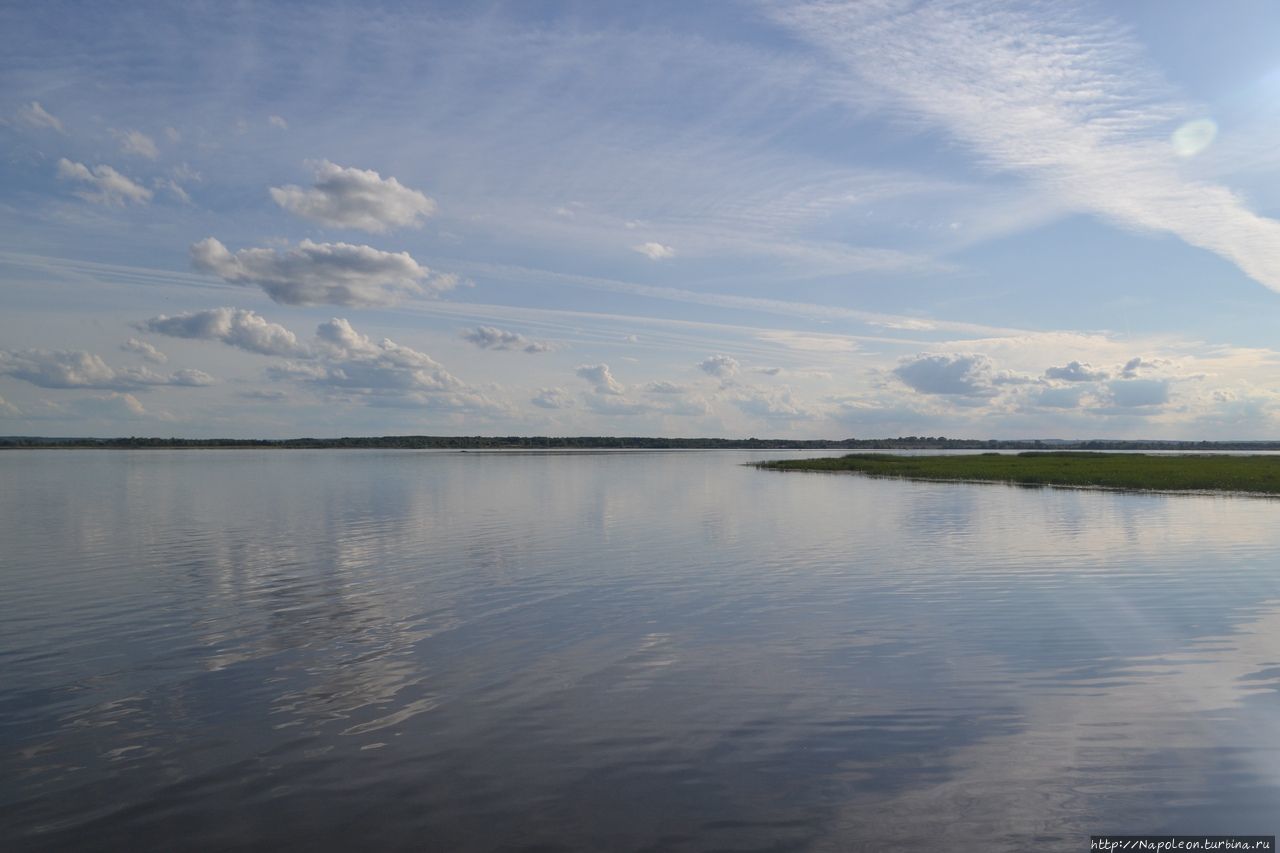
(633, 651)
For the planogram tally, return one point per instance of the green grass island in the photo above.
(1127, 471)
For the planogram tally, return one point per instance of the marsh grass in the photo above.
(1065, 468)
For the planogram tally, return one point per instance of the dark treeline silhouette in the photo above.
(515, 442)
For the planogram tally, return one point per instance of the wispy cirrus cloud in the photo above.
(106, 185)
(1066, 100)
(34, 115)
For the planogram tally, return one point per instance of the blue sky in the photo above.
(797, 220)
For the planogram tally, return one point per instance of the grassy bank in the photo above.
(1097, 470)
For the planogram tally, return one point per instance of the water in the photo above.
(332, 650)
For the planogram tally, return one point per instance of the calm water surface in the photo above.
(334, 650)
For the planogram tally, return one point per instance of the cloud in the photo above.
(720, 366)
(114, 406)
(277, 122)
(600, 377)
(654, 251)
(79, 369)
(1062, 397)
(552, 398)
(35, 115)
(1133, 365)
(321, 273)
(774, 404)
(235, 327)
(144, 349)
(268, 396)
(174, 188)
(663, 388)
(691, 407)
(1133, 393)
(1071, 104)
(489, 337)
(355, 198)
(352, 366)
(109, 186)
(1074, 371)
(138, 143)
(610, 404)
(8, 410)
(964, 375)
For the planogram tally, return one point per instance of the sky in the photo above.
(794, 220)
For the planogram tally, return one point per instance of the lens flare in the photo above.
(1194, 137)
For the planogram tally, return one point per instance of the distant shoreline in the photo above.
(426, 442)
(1081, 470)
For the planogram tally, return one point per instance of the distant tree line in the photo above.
(516, 442)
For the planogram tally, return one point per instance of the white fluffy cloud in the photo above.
(235, 327)
(489, 337)
(350, 365)
(719, 366)
(654, 251)
(600, 377)
(144, 349)
(321, 273)
(79, 369)
(107, 186)
(355, 198)
(35, 115)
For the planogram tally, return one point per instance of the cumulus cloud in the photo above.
(277, 122)
(321, 273)
(34, 115)
(719, 366)
(1074, 371)
(144, 349)
(8, 410)
(654, 251)
(137, 143)
(107, 186)
(351, 365)
(355, 198)
(79, 369)
(963, 375)
(552, 398)
(600, 377)
(235, 327)
(489, 337)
